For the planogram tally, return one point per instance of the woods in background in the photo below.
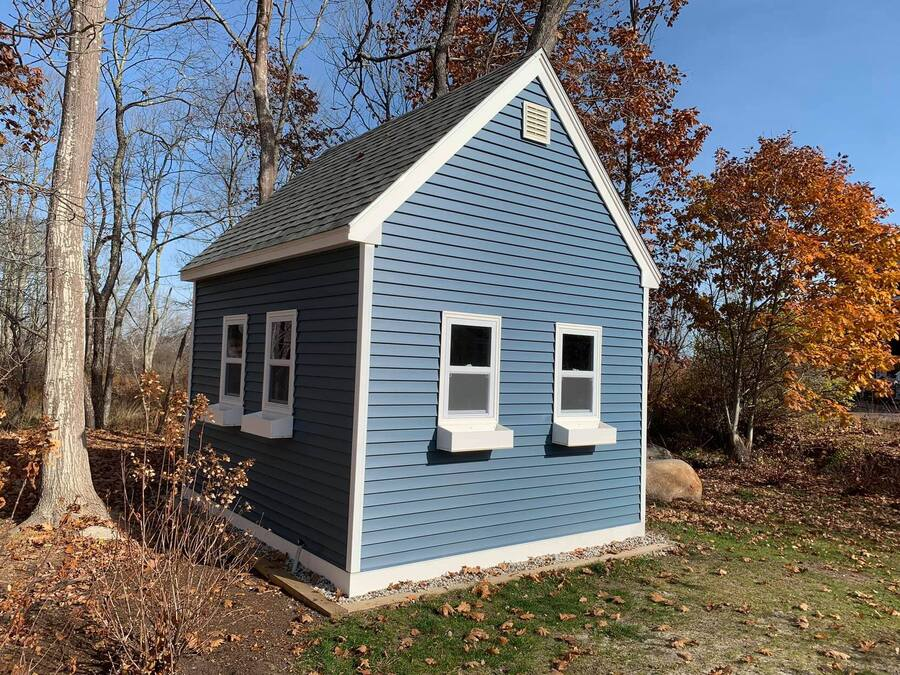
(780, 269)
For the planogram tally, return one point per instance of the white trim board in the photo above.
(365, 582)
(289, 249)
(360, 583)
(360, 406)
(366, 226)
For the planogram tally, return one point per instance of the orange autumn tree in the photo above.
(21, 97)
(791, 275)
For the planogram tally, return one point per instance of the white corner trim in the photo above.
(289, 249)
(364, 582)
(360, 406)
(367, 225)
(645, 369)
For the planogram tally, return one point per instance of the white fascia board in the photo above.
(289, 249)
(366, 227)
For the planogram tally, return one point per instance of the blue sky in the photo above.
(828, 70)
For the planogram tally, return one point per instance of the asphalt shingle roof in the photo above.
(345, 179)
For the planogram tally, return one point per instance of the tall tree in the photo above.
(791, 274)
(66, 472)
(254, 50)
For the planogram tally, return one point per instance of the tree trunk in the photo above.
(441, 60)
(268, 143)
(66, 471)
(546, 25)
(738, 447)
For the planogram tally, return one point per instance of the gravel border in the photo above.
(475, 574)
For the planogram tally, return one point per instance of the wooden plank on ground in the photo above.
(309, 596)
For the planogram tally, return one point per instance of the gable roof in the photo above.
(346, 194)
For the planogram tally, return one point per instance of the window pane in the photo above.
(469, 392)
(578, 352)
(577, 394)
(235, 341)
(233, 379)
(279, 384)
(281, 340)
(470, 345)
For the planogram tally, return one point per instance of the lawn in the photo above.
(777, 571)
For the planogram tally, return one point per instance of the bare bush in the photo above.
(158, 588)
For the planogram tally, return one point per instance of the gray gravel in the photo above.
(474, 575)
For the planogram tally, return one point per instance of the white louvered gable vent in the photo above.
(535, 123)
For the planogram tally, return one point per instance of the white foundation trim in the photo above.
(360, 406)
(364, 582)
(289, 249)
(359, 583)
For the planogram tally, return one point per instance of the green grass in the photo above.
(759, 597)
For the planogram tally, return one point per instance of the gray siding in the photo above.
(517, 229)
(299, 486)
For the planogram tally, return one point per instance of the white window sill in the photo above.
(224, 414)
(580, 433)
(465, 436)
(268, 424)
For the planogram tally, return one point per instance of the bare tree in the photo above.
(546, 25)
(66, 473)
(257, 59)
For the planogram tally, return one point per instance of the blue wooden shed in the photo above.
(433, 343)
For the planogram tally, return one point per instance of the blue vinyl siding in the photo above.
(516, 229)
(299, 487)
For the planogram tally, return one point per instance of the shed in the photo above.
(433, 343)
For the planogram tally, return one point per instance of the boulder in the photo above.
(655, 452)
(669, 479)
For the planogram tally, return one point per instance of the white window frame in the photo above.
(272, 317)
(448, 320)
(233, 320)
(595, 332)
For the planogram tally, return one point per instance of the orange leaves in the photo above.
(781, 250)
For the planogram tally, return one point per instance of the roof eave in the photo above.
(289, 249)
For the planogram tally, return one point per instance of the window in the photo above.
(234, 358)
(576, 387)
(278, 376)
(470, 358)
(469, 390)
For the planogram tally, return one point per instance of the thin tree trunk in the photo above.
(268, 143)
(66, 471)
(546, 25)
(442, 49)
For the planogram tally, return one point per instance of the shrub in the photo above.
(155, 591)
